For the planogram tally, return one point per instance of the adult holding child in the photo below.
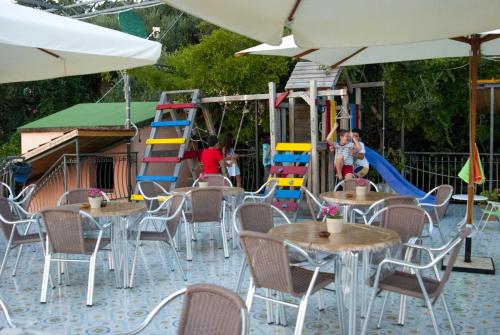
(344, 150)
(361, 165)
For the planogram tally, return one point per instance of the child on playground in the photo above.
(211, 157)
(344, 150)
(361, 165)
(231, 159)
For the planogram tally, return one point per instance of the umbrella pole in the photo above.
(473, 68)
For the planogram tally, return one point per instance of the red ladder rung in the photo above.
(161, 160)
(286, 206)
(175, 106)
(192, 154)
(287, 170)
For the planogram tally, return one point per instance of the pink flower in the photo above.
(202, 177)
(94, 193)
(331, 211)
(361, 182)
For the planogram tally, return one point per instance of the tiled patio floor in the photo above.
(474, 299)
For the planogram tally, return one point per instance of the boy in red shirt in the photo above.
(211, 157)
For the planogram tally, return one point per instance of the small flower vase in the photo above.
(202, 184)
(95, 202)
(361, 191)
(334, 226)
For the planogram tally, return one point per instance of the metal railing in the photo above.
(109, 172)
(427, 170)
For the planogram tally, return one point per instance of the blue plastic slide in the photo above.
(392, 176)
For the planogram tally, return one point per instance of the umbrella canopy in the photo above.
(375, 54)
(36, 45)
(340, 23)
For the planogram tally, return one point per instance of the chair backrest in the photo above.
(6, 213)
(211, 309)
(64, 230)
(312, 201)
(398, 200)
(267, 259)
(76, 196)
(443, 196)
(175, 212)
(26, 195)
(453, 251)
(272, 185)
(407, 220)
(206, 204)
(215, 180)
(255, 217)
(150, 189)
(351, 184)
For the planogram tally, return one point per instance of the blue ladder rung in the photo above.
(289, 158)
(179, 123)
(170, 179)
(287, 194)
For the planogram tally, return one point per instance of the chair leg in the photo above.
(250, 294)
(428, 303)
(176, 256)
(111, 264)
(4, 261)
(269, 308)
(90, 284)
(448, 315)
(369, 311)
(136, 251)
(189, 239)
(241, 275)
(321, 304)
(382, 310)
(438, 226)
(224, 235)
(17, 260)
(281, 311)
(45, 278)
(301, 315)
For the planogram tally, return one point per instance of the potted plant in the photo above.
(361, 187)
(334, 219)
(202, 181)
(95, 198)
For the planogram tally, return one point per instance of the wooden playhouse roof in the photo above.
(326, 78)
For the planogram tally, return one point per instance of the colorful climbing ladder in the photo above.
(182, 118)
(290, 167)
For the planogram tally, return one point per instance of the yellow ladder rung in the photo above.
(293, 147)
(139, 197)
(165, 141)
(288, 181)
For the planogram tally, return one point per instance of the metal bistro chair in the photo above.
(65, 236)
(215, 180)
(492, 210)
(169, 214)
(312, 200)
(386, 202)
(269, 188)
(268, 260)
(207, 309)
(9, 225)
(258, 217)
(414, 284)
(23, 199)
(438, 209)
(350, 185)
(208, 206)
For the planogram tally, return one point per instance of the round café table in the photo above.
(350, 198)
(233, 194)
(464, 197)
(353, 239)
(119, 213)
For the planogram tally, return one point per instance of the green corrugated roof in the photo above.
(92, 115)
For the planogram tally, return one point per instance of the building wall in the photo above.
(33, 140)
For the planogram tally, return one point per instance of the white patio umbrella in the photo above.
(36, 45)
(341, 23)
(375, 54)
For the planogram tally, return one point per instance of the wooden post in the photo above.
(475, 43)
(272, 118)
(331, 155)
(314, 136)
(344, 115)
(357, 101)
(208, 121)
(77, 153)
(291, 119)
(257, 156)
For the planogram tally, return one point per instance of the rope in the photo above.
(223, 114)
(245, 111)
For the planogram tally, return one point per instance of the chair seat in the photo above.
(154, 236)
(407, 284)
(89, 244)
(27, 239)
(302, 278)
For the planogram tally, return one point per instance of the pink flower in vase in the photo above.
(94, 193)
(332, 212)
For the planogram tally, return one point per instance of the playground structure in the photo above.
(306, 111)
